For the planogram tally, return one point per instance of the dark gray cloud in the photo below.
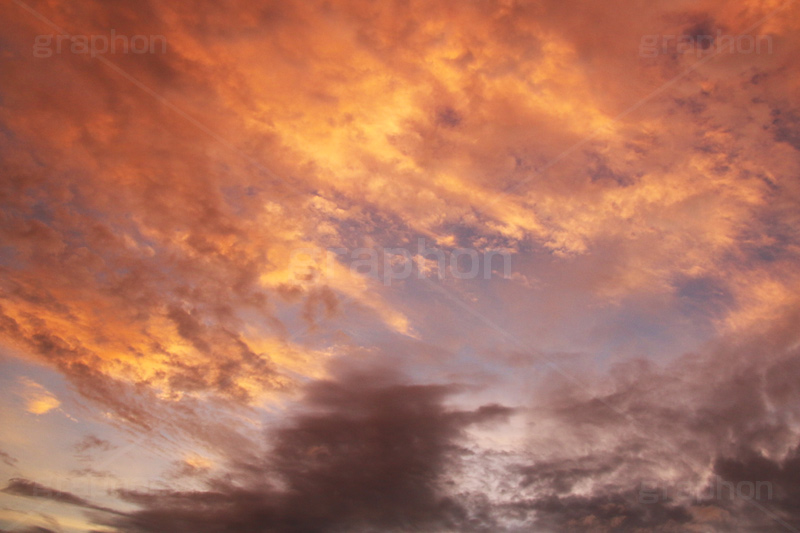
(24, 487)
(364, 453)
(602, 513)
(752, 483)
(34, 529)
(32, 489)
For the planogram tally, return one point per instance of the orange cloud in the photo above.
(38, 400)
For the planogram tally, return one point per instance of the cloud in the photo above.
(654, 447)
(8, 459)
(31, 489)
(191, 466)
(87, 448)
(649, 201)
(38, 400)
(773, 483)
(166, 253)
(363, 452)
(34, 529)
(603, 513)
(24, 487)
(93, 443)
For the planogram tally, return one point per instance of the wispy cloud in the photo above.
(38, 400)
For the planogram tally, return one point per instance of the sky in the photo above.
(349, 266)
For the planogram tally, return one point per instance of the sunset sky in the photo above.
(387, 266)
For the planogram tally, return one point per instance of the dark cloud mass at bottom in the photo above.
(359, 457)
